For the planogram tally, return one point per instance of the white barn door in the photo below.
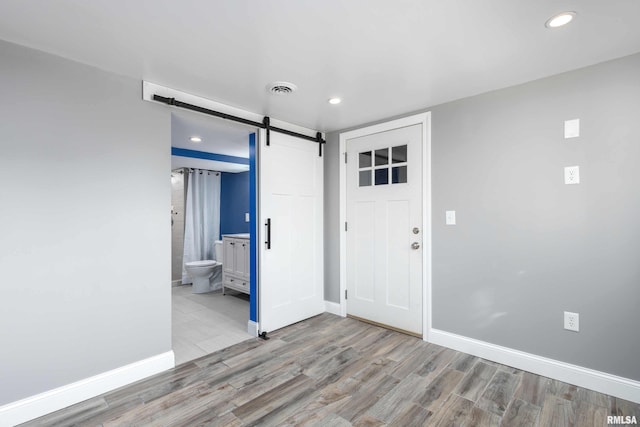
(291, 285)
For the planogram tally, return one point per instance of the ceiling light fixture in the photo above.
(335, 101)
(560, 19)
(195, 139)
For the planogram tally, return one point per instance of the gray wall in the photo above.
(332, 218)
(84, 223)
(527, 247)
(178, 193)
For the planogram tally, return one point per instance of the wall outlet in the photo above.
(571, 321)
(572, 175)
(246, 217)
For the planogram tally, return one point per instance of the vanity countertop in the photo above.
(237, 235)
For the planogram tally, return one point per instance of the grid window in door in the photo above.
(383, 166)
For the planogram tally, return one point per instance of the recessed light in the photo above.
(560, 19)
(335, 101)
(195, 139)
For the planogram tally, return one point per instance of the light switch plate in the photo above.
(450, 217)
(246, 217)
(572, 175)
(572, 128)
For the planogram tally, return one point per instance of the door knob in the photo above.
(415, 245)
(416, 230)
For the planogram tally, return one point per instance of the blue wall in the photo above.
(234, 202)
(194, 154)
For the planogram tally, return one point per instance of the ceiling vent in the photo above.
(281, 88)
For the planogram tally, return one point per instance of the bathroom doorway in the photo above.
(205, 320)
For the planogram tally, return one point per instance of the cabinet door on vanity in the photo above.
(228, 255)
(242, 258)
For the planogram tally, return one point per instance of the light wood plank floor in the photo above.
(333, 371)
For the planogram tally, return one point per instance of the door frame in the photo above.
(425, 120)
(150, 89)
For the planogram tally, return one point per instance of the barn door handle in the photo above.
(268, 226)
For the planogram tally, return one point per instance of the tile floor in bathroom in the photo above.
(204, 323)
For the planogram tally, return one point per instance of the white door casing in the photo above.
(388, 281)
(291, 286)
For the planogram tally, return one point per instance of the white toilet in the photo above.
(206, 274)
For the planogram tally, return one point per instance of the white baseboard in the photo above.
(252, 328)
(332, 307)
(50, 401)
(583, 377)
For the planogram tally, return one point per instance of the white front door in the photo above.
(384, 235)
(291, 285)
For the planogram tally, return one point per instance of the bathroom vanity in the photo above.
(235, 264)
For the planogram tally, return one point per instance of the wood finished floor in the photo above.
(333, 371)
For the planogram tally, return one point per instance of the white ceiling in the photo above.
(218, 136)
(384, 58)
